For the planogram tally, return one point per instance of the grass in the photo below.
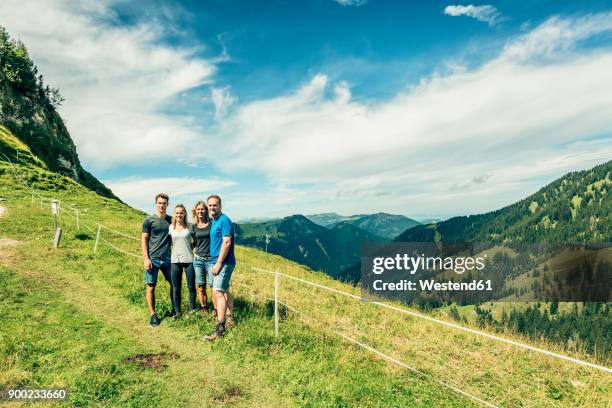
(75, 319)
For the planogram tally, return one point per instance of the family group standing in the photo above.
(203, 250)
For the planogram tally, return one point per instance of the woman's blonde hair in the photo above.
(174, 220)
(193, 212)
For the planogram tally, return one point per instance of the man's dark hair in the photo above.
(162, 195)
(214, 196)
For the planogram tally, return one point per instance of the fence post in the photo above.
(97, 238)
(32, 198)
(58, 237)
(276, 304)
(41, 202)
(77, 218)
(54, 211)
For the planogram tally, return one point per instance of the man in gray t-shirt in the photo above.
(155, 245)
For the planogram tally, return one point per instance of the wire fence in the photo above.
(73, 212)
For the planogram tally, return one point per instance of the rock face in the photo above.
(27, 109)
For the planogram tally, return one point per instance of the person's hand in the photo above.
(216, 269)
(147, 264)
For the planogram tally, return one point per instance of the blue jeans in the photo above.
(220, 282)
(163, 264)
(201, 267)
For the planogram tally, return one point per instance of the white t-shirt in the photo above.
(181, 245)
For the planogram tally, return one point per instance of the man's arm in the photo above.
(225, 246)
(144, 246)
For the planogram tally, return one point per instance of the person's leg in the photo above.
(202, 296)
(199, 268)
(211, 279)
(229, 300)
(176, 273)
(151, 298)
(220, 304)
(221, 288)
(166, 267)
(229, 310)
(150, 277)
(190, 275)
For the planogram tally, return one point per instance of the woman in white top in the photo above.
(181, 258)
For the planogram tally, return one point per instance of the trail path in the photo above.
(6, 242)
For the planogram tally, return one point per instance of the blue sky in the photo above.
(428, 109)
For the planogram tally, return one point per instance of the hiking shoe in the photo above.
(217, 331)
(229, 322)
(154, 321)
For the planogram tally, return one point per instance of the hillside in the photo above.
(574, 208)
(28, 109)
(301, 240)
(87, 328)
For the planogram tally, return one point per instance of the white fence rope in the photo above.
(119, 232)
(404, 365)
(119, 249)
(393, 360)
(448, 324)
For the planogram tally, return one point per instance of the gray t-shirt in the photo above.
(182, 244)
(159, 237)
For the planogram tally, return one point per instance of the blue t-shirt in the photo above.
(221, 227)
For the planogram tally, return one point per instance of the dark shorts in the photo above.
(150, 276)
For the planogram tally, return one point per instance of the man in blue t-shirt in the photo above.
(222, 264)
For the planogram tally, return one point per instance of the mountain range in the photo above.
(382, 224)
(301, 240)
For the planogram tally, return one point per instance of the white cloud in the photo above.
(140, 192)
(354, 3)
(486, 14)
(222, 100)
(117, 79)
(518, 111)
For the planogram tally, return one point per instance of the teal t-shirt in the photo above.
(219, 228)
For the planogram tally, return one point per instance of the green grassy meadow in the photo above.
(77, 319)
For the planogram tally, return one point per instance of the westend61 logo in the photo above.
(479, 272)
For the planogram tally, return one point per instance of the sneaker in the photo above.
(154, 321)
(217, 331)
(229, 322)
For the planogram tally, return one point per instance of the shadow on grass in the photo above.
(83, 237)
(244, 309)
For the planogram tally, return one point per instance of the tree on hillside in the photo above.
(22, 74)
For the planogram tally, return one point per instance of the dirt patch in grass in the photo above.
(7, 242)
(2, 211)
(41, 277)
(228, 394)
(7, 250)
(154, 361)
